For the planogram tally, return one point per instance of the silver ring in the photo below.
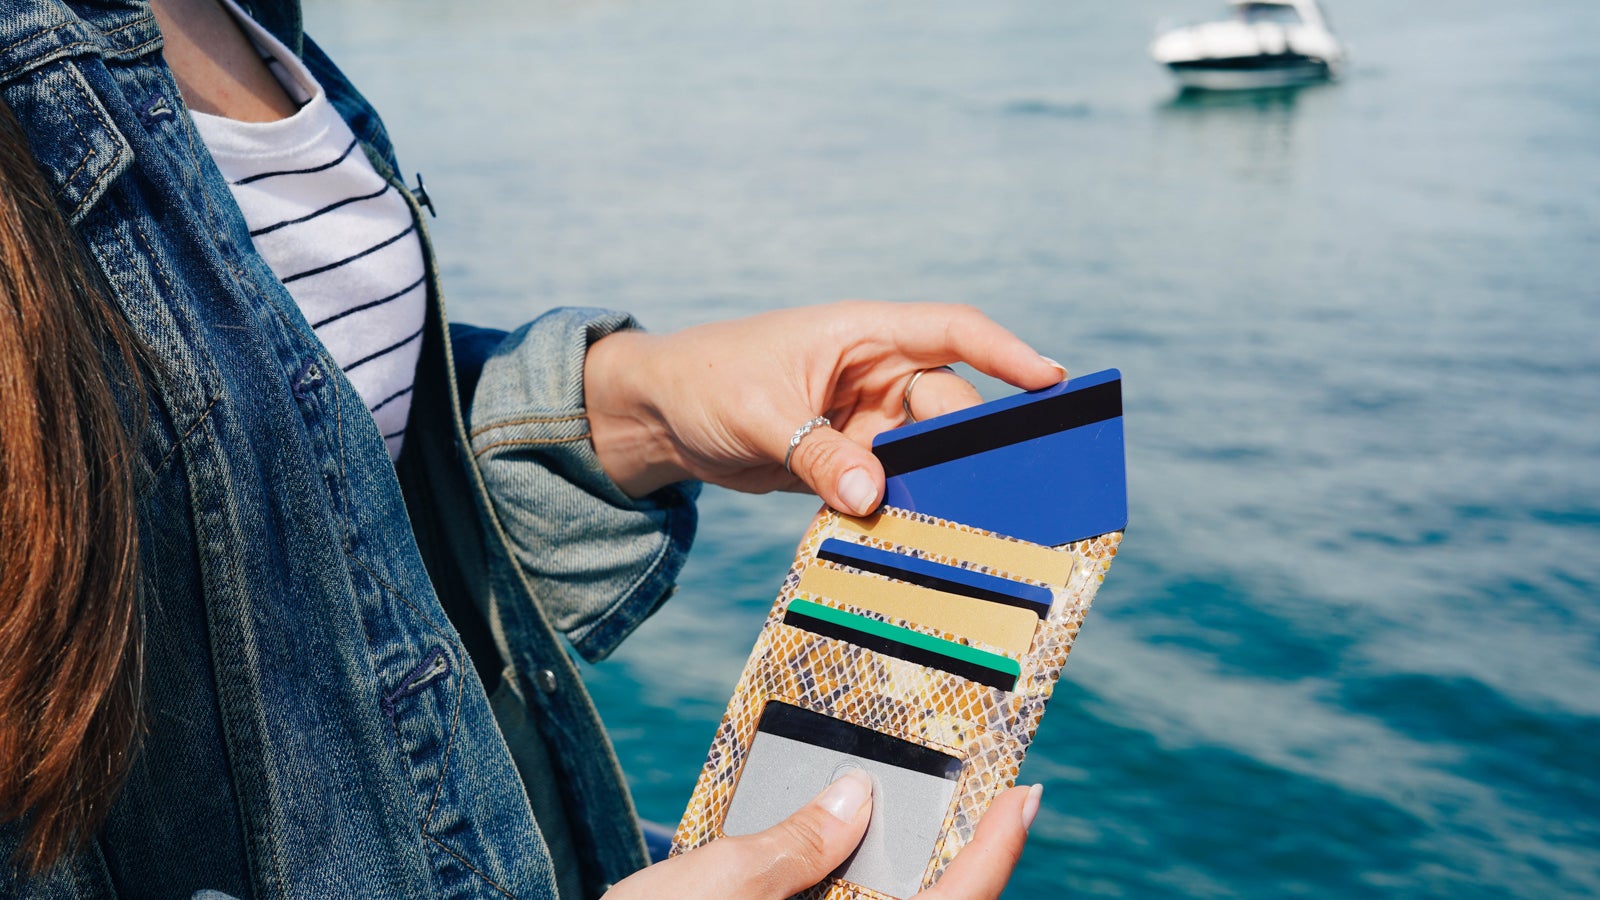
(800, 435)
(905, 400)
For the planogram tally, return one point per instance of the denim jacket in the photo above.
(324, 628)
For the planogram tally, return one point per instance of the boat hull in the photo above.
(1250, 72)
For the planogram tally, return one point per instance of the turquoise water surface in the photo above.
(1350, 648)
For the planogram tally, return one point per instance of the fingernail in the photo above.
(857, 491)
(1030, 806)
(1062, 369)
(844, 798)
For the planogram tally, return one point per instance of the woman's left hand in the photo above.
(719, 402)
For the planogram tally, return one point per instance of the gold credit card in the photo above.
(1030, 561)
(1007, 627)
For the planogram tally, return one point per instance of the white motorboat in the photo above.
(1263, 44)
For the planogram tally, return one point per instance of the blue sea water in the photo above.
(1350, 647)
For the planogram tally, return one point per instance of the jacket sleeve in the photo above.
(599, 561)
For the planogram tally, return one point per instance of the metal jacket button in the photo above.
(546, 680)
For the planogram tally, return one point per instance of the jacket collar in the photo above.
(34, 33)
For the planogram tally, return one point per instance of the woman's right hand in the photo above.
(802, 849)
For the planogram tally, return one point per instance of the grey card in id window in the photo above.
(796, 753)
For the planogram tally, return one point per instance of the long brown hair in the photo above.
(70, 628)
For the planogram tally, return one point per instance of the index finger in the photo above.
(939, 334)
(982, 868)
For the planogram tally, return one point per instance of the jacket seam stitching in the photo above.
(463, 860)
(39, 34)
(149, 254)
(431, 625)
(344, 475)
(530, 442)
(204, 414)
(140, 48)
(444, 764)
(438, 788)
(528, 420)
(91, 103)
(126, 26)
(94, 108)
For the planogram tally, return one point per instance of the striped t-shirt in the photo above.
(338, 236)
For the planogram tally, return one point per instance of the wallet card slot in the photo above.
(938, 576)
(796, 752)
(1006, 628)
(1041, 565)
(970, 663)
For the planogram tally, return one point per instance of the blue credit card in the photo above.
(1045, 466)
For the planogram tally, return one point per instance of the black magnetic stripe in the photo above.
(959, 667)
(782, 720)
(1002, 429)
(351, 258)
(387, 350)
(326, 209)
(371, 303)
(326, 165)
(933, 581)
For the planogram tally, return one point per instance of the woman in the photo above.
(351, 672)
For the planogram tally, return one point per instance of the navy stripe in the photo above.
(390, 437)
(394, 396)
(329, 165)
(329, 208)
(371, 303)
(938, 577)
(352, 258)
(389, 349)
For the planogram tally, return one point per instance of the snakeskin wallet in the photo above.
(921, 643)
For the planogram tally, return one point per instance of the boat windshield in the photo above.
(1278, 13)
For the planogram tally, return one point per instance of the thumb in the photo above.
(842, 472)
(802, 849)
(768, 865)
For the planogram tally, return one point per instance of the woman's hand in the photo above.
(802, 849)
(719, 402)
